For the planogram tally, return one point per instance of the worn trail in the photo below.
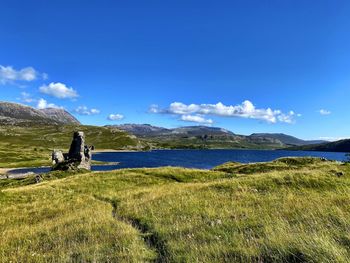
(148, 234)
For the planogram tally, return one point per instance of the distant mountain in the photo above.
(14, 113)
(201, 130)
(148, 130)
(286, 139)
(209, 137)
(337, 146)
(142, 129)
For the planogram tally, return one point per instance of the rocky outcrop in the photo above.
(78, 157)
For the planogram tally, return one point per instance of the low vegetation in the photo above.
(289, 210)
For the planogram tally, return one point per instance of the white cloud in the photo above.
(154, 108)
(43, 104)
(324, 112)
(115, 117)
(26, 97)
(9, 75)
(83, 110)
(196, 118)
(58, 90)
(244, 110)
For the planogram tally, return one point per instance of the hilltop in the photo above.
(14, 113)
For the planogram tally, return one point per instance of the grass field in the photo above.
(23, 146)
(289, 210)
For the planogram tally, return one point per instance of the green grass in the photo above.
(290, 210)
(22, 146)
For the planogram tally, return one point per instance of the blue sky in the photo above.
(248, 66)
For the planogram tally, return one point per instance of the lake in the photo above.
(203, 159)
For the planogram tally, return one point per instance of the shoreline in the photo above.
(112, 151)
(5, 170)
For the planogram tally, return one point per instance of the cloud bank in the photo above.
(195, 112)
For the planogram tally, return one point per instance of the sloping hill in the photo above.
(337, 146)
(60, 115)
(14, 113)
(285, 139)
(30, 144)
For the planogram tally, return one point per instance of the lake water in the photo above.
(203, 159)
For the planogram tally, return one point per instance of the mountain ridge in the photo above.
(337, 146)
(14, 113)
(287, 139)
(208, 136)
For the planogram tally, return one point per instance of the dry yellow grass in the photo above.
(298, 214)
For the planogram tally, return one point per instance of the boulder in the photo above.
(57, 157)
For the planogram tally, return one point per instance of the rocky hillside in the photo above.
(14, 113)
(60, 115)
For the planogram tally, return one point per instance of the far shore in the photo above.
(3, 171)
(112, 150)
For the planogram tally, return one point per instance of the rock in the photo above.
(78, 157)
(339, 174)
(38, 178)
(57, 157)
(76, 150)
